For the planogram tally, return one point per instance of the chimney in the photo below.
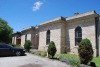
(75, 14)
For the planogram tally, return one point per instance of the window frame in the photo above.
(47, 37)
(78, 35)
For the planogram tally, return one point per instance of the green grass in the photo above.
(97, 61)
(41, 53)
(70, 56)
(75, 59)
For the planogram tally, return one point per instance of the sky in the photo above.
(21, 14)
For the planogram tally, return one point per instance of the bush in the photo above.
(85, 51)
(41, 53)
(51, 49)
(27, 45)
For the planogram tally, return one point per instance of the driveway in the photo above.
(30, 61)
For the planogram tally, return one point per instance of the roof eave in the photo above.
(28, 28)
(59, 19)
(92, 13)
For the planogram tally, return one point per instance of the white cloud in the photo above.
(37, 5)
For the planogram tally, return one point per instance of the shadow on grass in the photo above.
(54, 58)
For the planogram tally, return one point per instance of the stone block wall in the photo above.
(63, 38)
(32, 35)
(14, 40)
(88, 31)
(99, 35)
(35, 38)
(55, 35)
(29, 35)
(22, 40)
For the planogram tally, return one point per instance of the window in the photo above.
(48, 37)
(78, 35)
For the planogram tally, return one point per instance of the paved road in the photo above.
(30, 61)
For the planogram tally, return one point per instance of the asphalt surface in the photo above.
(30, 60)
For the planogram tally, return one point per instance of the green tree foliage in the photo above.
(5, 32)
(85, 51)
(27, 45)
(51, 49)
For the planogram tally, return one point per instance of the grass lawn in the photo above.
(97, 61)
(75, 59)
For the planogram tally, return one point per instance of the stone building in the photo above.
(16, 39)
(68, 32)
(31, 34)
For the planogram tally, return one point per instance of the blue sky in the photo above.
(25, 13)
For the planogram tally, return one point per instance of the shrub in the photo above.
(51, 49)
(85, 51)
(41, 53)
(27, 45)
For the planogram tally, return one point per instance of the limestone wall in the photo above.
(55, 32)
(63, 38)
(99, 34)
(22, 40)
(88, 31)
(32, 35)
(35, 38)
(29, 35)
(14, 40)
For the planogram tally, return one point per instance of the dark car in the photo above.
(7, 50)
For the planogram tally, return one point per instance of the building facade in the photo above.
(30, 33)
(16, 39)
(68, 32)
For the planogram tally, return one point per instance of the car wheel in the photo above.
(18, 53)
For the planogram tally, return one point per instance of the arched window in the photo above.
(48, 37)
(78, 35)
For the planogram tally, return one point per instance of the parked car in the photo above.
(7, 50)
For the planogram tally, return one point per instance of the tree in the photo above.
(51, 49)
(5, 32)
(27, 45)
(85, 51)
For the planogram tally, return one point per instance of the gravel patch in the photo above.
(31, 65)
(30, 60)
